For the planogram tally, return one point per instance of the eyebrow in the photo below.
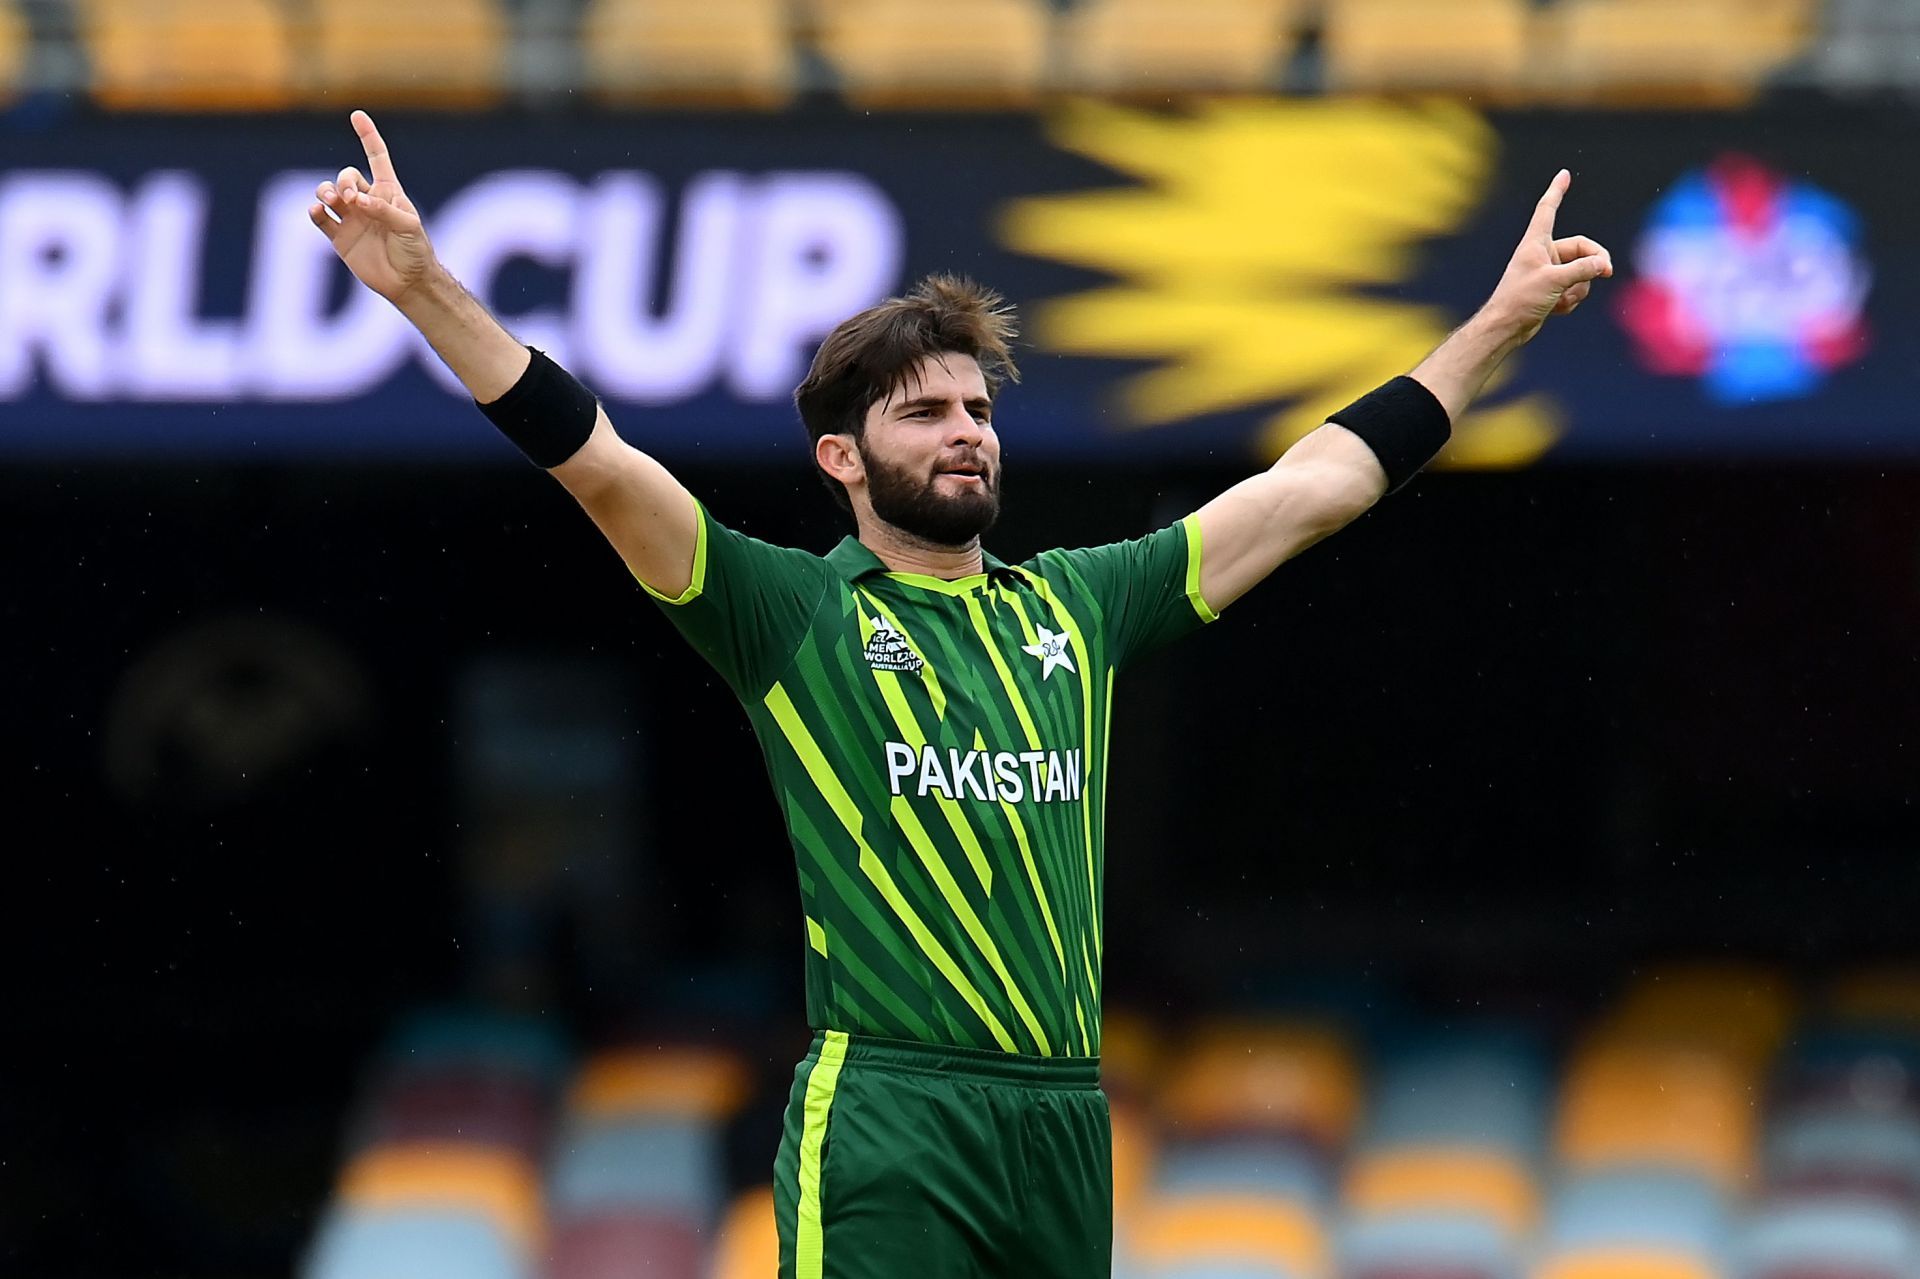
(940, 401)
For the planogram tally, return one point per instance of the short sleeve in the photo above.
(1147, 589)
(748, 606)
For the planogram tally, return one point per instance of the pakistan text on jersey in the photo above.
(1009, 776)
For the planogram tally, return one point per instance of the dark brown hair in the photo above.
(868, 357)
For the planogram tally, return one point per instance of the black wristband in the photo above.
(548, 413)
(1403, 423)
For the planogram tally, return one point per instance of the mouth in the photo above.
(974, 474)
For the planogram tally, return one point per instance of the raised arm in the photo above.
(646, 513)
(1333, 475)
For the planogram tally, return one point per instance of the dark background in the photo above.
(1492, 748)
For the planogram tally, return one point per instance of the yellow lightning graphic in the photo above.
(1244, 256)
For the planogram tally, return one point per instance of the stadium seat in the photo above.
(486, 1110)
(185, 55)
(749, 1244)
(1135, 1152)
(1276, 1078)
(1193, 1235)
(1486, 1185)
(1626, 1263)
(667, 1167)
(1627, 1223)
(1661, 1106)
(1428, 1245)
(1704, 50)
(1865, 44)
(1483, 1091)
(1483, 45)
(492, 1185)
(1742, 1010)
(694, 1082)
(1147, 46)
(1858, 1152)
(908, 52)
(407, 1243)
(427, 53)
(716, 51)
(1861, 1240)
(1275, 1169)
(16, 41)
(624, 1246)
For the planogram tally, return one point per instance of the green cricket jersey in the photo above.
(939, 750)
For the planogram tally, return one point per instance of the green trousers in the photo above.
(919, 1161)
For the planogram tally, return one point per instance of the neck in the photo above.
(902, 552)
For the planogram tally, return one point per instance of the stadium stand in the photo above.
(182, 55)
(905, 52)
(1405, 44)
(16, 39)
(270, 54)
(724, 51)
(749, 1245)
(1703, 51)
(1702, 1127)
(416, 53)
(1146, 47)
(1445, 1176)
(1866, 45)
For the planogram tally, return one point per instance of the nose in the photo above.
(965, 430)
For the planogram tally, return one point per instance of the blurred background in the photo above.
(1521, 884)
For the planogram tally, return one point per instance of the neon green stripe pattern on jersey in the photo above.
(939, 751)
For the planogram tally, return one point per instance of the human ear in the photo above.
(839, 458)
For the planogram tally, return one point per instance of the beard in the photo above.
(915, 505)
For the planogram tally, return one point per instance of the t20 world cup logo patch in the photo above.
(888, 649)
(1749, 282)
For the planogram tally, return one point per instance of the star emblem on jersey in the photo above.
(1052, 651)
(888, 650)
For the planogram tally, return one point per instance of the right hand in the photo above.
(373, 226)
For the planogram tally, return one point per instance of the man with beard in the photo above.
(935, 723)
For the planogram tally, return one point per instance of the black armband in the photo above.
(1403, 423)
(547, 413)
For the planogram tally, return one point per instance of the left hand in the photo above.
(1548, 276)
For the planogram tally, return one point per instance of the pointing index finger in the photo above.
(377, 158)
(1549, 206)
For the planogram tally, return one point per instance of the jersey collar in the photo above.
(854, 559)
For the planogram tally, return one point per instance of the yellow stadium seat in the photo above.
(1484, 1183)
(699, 1083)
(749, 1244)
(1286, 1237)
(1483, 45)
(1150, 46)
(1624, 1264)
(717, 51)
(1664, 1105)
(1741, 1010)
(496, 1184)
(1292, 1079)
(1660, 51)
(909, 52)
(1131, 1052)
(175, 55)
(15, 45)
(433, 53)
(1134, 1146)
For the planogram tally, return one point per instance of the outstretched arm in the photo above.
(1332, 476)
(646, 513)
